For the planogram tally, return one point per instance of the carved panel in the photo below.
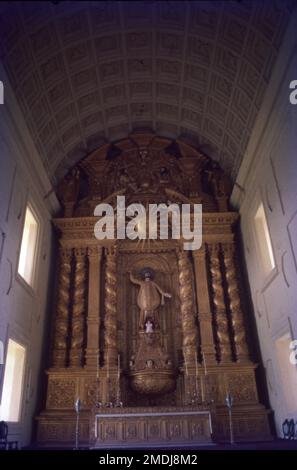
(242, 387)
(92, 392)
(61, 393)
(152, 427)
(62, 432)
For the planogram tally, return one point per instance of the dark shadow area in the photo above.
(47, 333)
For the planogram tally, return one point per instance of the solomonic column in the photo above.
(93, 320)
(221, 319)
(79, 309)
(204, 309)
(63, 306)
(188, 320)
(237, 320)
(110, 303)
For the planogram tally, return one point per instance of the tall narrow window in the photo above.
(264, 240)
(13, 382)
(28, 247)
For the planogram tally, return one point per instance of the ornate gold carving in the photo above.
(59, 432)
(210, 388)
(93, 318)
(151, 370)
(156, 424)
(242, 387)
(61, 393)
(241, 348)
(149, 299)
(68, 191)
(78, 311)
(91, 393)
(62, 315)
(187, 308)
(110, 303)
(154, 382)
(222, 327)
(146, 171)
(131, 432)
(220, 185)
(203, 301)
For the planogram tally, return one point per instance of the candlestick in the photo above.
(107, 365)
(229, 403)
(196, 368)
(118, 395)
(204, 363)
(196, 364)
(187, 373)
(97, 381)
(203, 391)
(77, 407)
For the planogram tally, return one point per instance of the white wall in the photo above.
(22, 310)
(269, 173)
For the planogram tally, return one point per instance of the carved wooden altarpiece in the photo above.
(200, 349)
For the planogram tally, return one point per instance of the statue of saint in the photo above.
(149, 299)
(219, 182)
(149, 326)
(68, 189)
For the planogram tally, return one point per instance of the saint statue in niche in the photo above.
(150, 297)
(149, 326)
(164, 174)
(149, 363)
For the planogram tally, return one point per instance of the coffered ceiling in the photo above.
(89, 72)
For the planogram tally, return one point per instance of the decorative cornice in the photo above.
(82, 228)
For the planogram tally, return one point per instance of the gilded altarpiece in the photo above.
(133, 363)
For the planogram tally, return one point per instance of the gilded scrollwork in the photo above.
(91, 392)
(79, 307)
(237, 320)
(63, 305)
(110, 303)
(221, 319)
(242, 387)
(99, 318)
(187, 308)
(61, 393)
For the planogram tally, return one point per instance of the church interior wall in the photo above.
(269, 175)
(23, 309)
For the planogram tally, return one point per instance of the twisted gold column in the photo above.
(204, 310)
(221, 319)
(187, 309)
(110, 309)
(240, 341)
(62, 314)
(78, 311)
(93, 320)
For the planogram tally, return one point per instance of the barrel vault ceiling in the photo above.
(89, 72)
